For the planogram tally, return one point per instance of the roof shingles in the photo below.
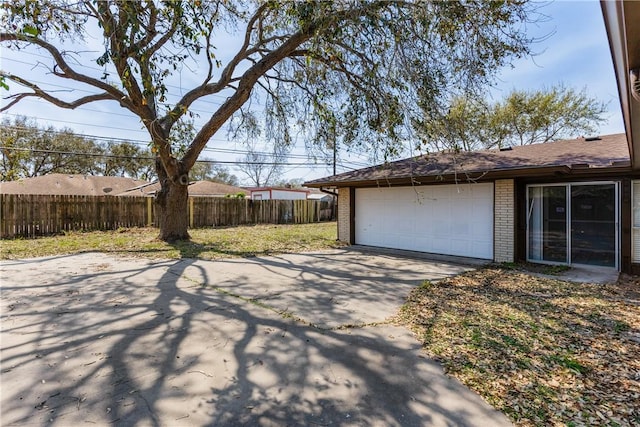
(196, 188)
(87, 185)
(69, 184)
(606, 152)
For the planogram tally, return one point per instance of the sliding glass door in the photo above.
(573, 224)
(548, 224)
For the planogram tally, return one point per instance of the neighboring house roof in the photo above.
(567, 156)
(69, 184)
(316, 194)
(319, 196)
(196, 188)
(297, 190)
(621, 21)
(208, 188)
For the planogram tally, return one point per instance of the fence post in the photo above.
(149, 213)
(191, 212)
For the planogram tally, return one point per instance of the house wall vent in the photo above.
(593, 138)
(634, 77)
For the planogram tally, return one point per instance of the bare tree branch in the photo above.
(210, 88)
(68, 72)
(39, 93)
(235, 101)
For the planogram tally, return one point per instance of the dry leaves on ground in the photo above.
(543, 351)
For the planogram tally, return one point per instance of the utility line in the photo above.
(104, 155)
(77, 123)
(141, 142)
(96, 69)
(209, 149)
(120, 114)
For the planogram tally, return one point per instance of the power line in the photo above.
(125, 115)
(208, 149)
(104, 155)
(111, 113)
(100, 70)
(82, 124)
(143, 143)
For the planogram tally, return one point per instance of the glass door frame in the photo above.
(567, 186)
(635, 225)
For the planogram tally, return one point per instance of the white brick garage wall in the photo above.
(442, 219)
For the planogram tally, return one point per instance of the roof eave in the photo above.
(478, 176)
(621, 22)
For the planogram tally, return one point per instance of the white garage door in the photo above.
(441, 219)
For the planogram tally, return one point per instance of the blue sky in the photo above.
(573, 51)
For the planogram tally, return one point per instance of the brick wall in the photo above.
(504, 220)
(344, 214)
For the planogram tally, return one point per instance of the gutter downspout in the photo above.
(333, 193)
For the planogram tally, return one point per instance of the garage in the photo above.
(441, 219)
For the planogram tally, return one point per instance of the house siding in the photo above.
(261, 195)
(344, 214)
(288, 195)
(504, 220)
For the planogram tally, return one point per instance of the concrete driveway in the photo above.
(93, 339)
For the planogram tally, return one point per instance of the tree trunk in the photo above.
(172, 204)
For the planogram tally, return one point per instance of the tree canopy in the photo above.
(28, 150)
(128, 159)
(206, 170)
(545, 115)
(356, 72)
(520, 118)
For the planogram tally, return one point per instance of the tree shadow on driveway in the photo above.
(93, 339)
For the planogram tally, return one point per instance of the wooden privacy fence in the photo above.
(216, 211)
(27, 215)
(38, 215)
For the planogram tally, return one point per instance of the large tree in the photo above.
(348, 71)
(521, 118)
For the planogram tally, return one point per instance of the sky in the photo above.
(572, 50)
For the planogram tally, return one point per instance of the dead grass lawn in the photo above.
(205, 243)
(543, 351)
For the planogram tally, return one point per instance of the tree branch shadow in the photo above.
(112, 341)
